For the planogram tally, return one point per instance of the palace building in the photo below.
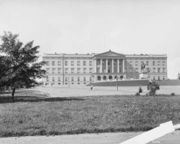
(70, 69)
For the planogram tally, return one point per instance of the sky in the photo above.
(95, 26)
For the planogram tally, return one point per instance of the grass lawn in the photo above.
(34, 114)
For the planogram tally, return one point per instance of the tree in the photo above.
(19, 61)
(152, 87)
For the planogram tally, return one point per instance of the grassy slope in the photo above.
(87, 114)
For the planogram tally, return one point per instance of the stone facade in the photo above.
(70, 69)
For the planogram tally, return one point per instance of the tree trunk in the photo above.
(13, 92)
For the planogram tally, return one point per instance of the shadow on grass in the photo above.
(8, 99)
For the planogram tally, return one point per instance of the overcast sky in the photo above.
(95, 26)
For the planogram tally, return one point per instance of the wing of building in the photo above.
(70, 69)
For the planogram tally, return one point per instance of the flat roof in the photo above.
(89, 55)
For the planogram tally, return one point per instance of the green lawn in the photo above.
(33, 114)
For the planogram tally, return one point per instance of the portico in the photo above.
(109, 66)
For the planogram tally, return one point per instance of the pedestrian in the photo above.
(140, 90)
(91, 87)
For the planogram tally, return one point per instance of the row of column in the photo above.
(112, 63)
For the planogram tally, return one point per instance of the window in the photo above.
(84, 63)
(78, 80)
(84, 80)
(90, 63)
(59, 79)
(98, 62)
(59, 70)
(59, 63)
(84, 70)
(72, 63)
(66, 80)
(159, 70)
(66, 63)
(66, 70)
(47, 63)
(47, 70)
(164, 69)
(148, 70)
(90, 70)
(159, 78)
(110, 77)
(72, 70)
(53, 70)
(154, 69)
(147, 63)
(72, 80)
(78, 70)
(78, 63)
(47, 78)
(153, 63)
(98, 78)
(53, 79)
(53, 63)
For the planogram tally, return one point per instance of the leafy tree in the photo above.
(19, 61)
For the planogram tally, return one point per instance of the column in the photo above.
(123, 65)
(118, 66)
(106, 65)
(112, 65)
(100, 65)
(95, 66)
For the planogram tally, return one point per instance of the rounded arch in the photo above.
(98, 77)
(110, 77)
(104, 77)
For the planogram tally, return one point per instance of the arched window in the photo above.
(98, 77)
(104, 77)
(110, 77)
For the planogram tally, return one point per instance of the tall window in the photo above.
(84, 63)
(66, 70)
(164, 69)
(84, 70)
(66, 63)
(53, 63)
(78, 70)
(72, 70)
(59, 63)
(153, 63)
(147, 63)
(72, 63)
(154, 69)
(90, 70)
(78, 63)
(47, 70)
(90, 63)
(59, 70)
(78, 80)
(47, 63)
(72, 80)
(53, 70)
(84, 80)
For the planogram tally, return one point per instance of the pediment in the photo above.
(109, 54)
